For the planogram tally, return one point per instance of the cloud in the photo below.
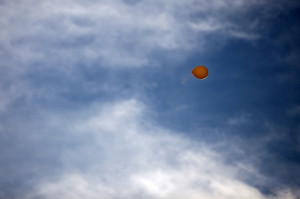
(122, 154)
(117, 33)
(54, 37)
(40, 39)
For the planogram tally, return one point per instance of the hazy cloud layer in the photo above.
(116, 152)
(121, 33)
(55, 37)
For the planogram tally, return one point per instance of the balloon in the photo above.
(200, 72)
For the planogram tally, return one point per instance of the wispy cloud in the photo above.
(52, 36)
(115, 33)
(123, 155)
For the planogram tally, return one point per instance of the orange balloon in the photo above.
(201, 72)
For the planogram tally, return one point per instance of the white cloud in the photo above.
(114, 33)
(63, 35)
(123, 155)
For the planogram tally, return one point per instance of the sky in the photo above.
(90, 108)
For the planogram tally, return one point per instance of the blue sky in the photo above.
(90, 108)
